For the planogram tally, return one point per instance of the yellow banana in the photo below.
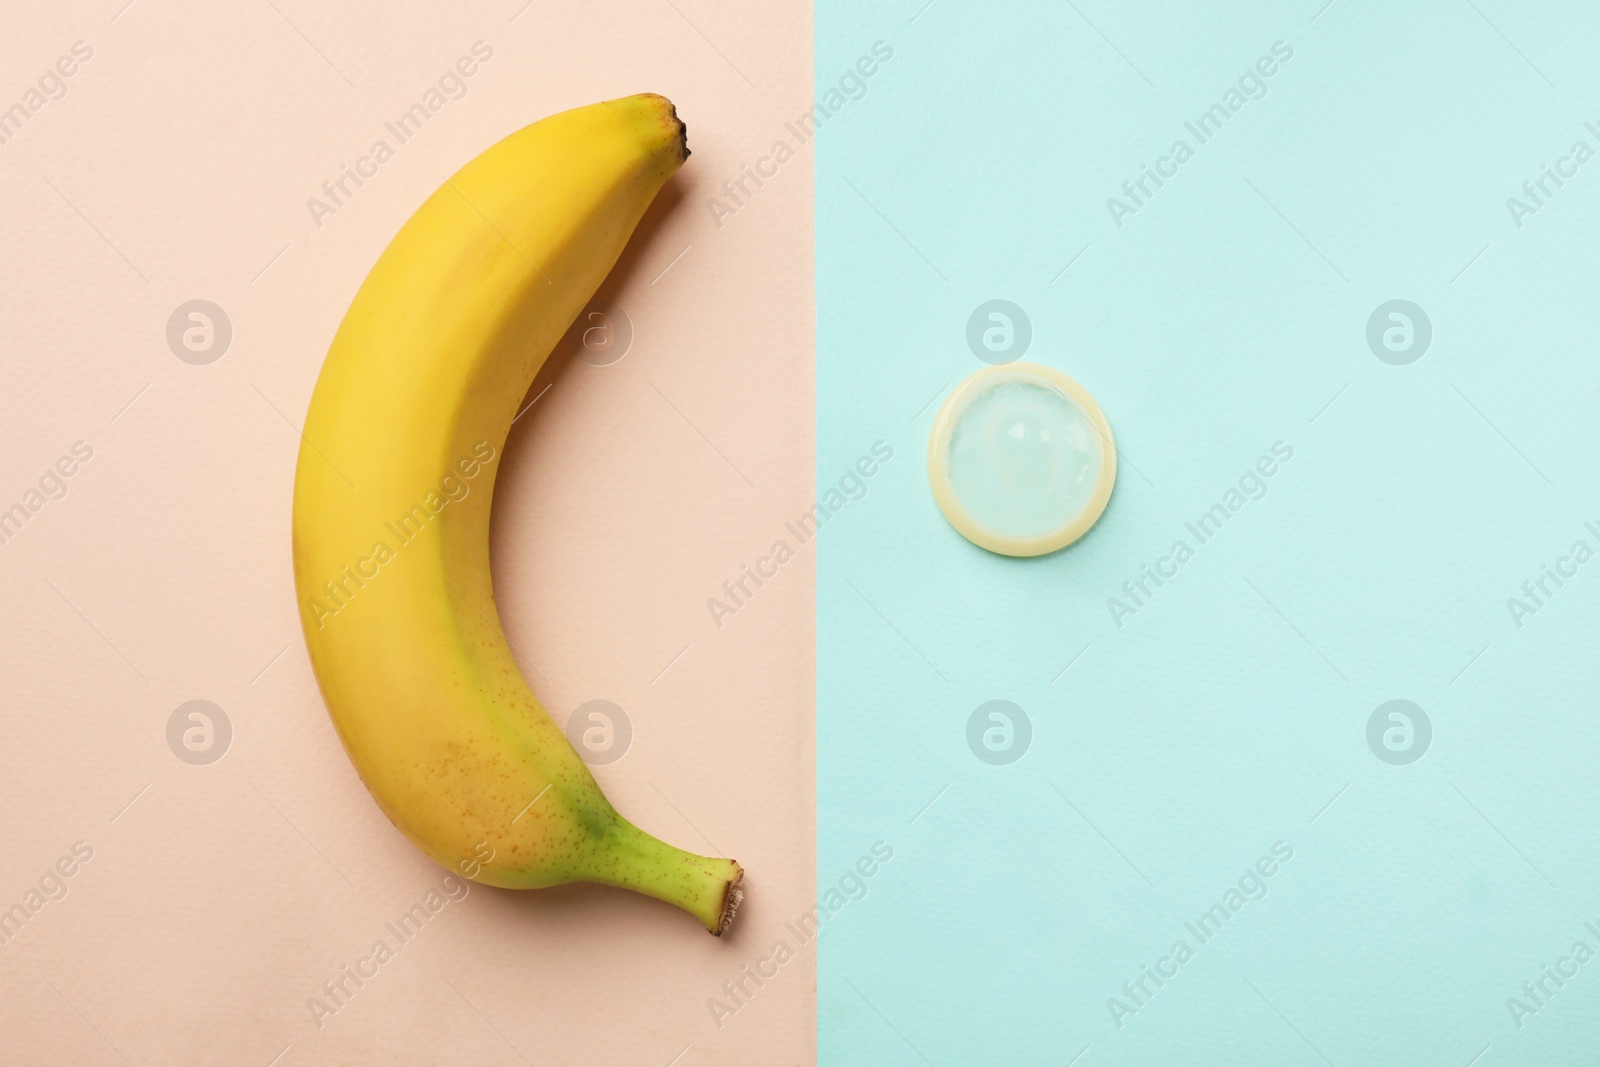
(391, 510)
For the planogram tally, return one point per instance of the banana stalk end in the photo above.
(732, 897)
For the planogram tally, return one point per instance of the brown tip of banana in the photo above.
(683, 131)
(731, 898)
(669, 119)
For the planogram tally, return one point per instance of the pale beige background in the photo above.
(178, 166)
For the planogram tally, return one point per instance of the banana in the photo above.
(391, 511)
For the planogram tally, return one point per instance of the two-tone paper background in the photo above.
(1315, 788)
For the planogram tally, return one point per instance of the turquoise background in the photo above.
(1230, 712)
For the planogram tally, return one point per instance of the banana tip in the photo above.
(683, 130)
(731, 899)
(673, 120)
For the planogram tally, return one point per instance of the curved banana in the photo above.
(391, 510)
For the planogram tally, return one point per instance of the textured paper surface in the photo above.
(1175, 743)
(220, 898)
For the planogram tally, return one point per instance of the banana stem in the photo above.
(707, 888)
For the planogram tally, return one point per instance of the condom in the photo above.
(1021, 459)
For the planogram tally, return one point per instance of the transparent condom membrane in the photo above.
(1021, 459)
